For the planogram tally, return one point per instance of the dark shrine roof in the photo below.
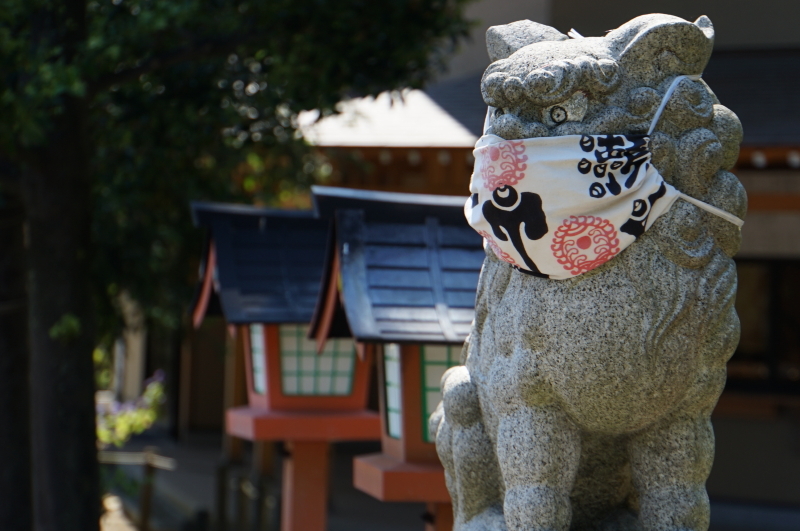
(388, 206)
(760, 86)
(409, 264)
(269, 262)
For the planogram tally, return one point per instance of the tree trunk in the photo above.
(16, 508)
(135, 337)
(57, 192)
(58, 197)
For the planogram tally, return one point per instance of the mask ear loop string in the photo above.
(673, 86)
(488, 120)
(727, 216)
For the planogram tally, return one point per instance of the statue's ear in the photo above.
(654, 47)
(502, 41)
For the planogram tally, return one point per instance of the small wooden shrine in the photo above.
(401, 275)
(265, 267)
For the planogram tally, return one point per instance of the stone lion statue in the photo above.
(584, 403)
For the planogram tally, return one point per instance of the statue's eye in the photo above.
(571, 110)
(558, 114)
(499, 112)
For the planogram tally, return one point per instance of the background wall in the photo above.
(739, 23)
(472, 57)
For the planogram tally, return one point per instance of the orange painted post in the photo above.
(305, 470)
(305, 486)
(235, 389)
(439, 517)
(408, 469)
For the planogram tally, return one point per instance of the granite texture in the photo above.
(584, 404)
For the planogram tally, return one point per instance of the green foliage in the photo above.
(103, 367)
(198, 99)
(66, 329)
(36, 72)
(119, 423)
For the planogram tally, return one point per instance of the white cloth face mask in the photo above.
(557, 207)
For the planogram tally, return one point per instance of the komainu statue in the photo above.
(605, 307)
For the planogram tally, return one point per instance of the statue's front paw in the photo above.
(537, 507)
(460, 397)
(489, 520)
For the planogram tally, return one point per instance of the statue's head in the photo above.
(544, 83)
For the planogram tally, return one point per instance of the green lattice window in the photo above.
(306, 373)
(436, 359)
(394, 405)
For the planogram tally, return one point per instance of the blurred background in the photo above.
(116, 114)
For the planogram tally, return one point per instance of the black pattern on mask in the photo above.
(635, 226)
(506, 222)
(616, 156)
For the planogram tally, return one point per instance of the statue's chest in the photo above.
(577, 330)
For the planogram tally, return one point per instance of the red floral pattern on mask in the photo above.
(508, 158)
(583, 243)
